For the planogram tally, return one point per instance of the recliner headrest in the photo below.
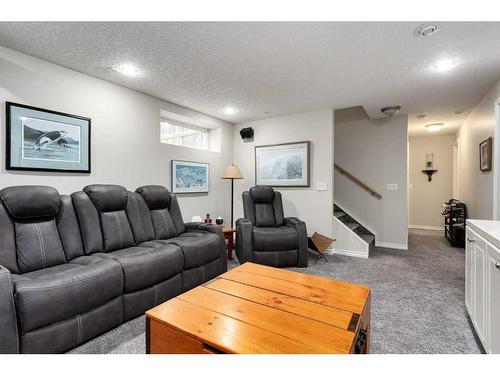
(156, 196)
(262, 194)
(31, 202)
(107, 198)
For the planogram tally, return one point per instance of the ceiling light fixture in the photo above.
(425, 30)
(444, 65)
(421, 117)
(230, 110)
(391, 110)
(434, 127)
(128, 70)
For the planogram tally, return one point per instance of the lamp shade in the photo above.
(232, 172)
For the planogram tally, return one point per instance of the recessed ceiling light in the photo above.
(128, 70)
(434, 127)
(230, 110)
(425, 30)
(444, 65)
(390, 111)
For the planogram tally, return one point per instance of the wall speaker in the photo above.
(246, 133)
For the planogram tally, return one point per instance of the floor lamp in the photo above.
(232, 173)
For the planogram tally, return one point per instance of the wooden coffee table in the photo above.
(259, 309)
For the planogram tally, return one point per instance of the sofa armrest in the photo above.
(216, 229)
(244, 240)
(303, 247)
(9, 337)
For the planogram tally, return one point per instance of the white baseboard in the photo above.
(389, 245)
(426, 227)
(349, 253)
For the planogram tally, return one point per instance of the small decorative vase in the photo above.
(219, 221)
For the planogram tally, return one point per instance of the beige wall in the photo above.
(375, 151)
(476, 187)
(314, 207)
(425, 198)
(126, 146)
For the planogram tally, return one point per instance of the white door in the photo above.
(493, 298)
(480, 288)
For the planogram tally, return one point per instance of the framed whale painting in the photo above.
(43, 140)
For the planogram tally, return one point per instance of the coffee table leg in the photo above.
(230, 246)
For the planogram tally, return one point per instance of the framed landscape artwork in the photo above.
(485, 155)
(284, 164)
(189, 177)
(38, 139)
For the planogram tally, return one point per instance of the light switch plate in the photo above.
(392, 187)
(321, 186)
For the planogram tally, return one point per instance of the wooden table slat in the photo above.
(310, 332)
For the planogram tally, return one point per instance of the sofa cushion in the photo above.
(275, 238)
(53, 294)
(145, 266)
(31, 202)
(107, 198)
(198, 247)
(156, 196)
(38, 245)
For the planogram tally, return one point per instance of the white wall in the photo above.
(314, 207)
(375, 151)
(426, 197)
(126, 148)
(476, 187)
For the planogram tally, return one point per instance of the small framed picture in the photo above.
(39, 139)
(189, 177)
(486, 155)
(284, 164)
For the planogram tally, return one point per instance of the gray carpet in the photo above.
(417, 301)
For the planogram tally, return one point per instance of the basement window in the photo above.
(185, 135)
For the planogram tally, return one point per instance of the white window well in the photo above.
(186, 135)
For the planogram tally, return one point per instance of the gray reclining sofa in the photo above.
(73, 267)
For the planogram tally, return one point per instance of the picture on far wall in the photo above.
(43, 140)
(284, 164)
(485, 155)
(189, 177)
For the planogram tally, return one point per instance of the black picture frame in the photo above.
(8, 147)
(307, 163)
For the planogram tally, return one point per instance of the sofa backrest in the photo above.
(30, 236)
(166, 217)
(104, 223)
(263, 206)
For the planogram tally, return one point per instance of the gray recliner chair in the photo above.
(265, 235)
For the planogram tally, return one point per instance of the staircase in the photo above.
(352, 238)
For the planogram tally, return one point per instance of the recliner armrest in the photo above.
(9, 337)
(303, 247)
(192, 225)
(244, 240)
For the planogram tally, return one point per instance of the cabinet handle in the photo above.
(497, 265)
(470, 240)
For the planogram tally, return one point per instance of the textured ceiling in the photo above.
(271, 69)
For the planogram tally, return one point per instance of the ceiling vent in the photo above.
(425, 30)
(391, 110)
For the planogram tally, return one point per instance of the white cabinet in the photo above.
(482, 281)
(493, 300)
